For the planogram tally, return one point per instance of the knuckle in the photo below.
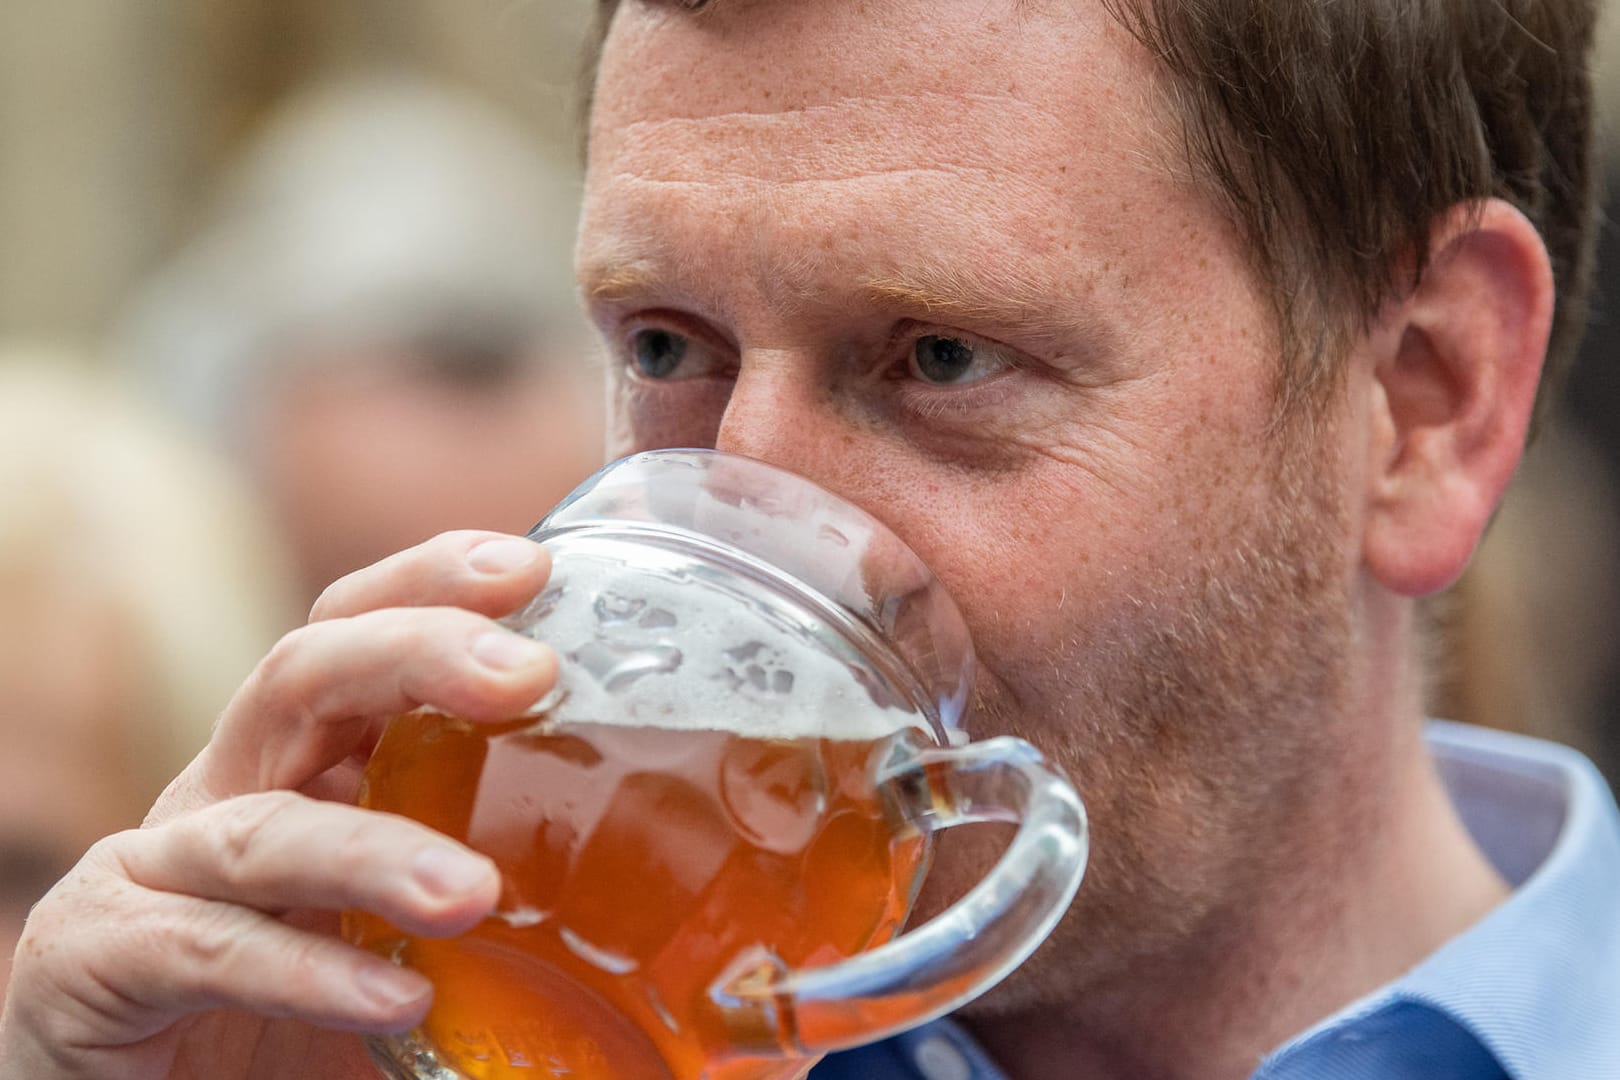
(66, 923)
(237, 831)
(106, 851)
(282, 656)
(357, 845)
(204, 942)
(409, 631)
(44, 925)
(304, 966)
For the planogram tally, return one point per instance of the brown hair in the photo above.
(1338, 133)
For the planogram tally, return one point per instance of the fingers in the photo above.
(279, 851)
(411, 630)
(159, 923)
(311, 701)
(104, 964)
(178, 955)
(490, 573)
(181, 916)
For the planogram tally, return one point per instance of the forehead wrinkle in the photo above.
(738, 176)
(839, 103)
(855, 137)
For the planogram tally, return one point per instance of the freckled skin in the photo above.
(1123, 484)
(1165, 590)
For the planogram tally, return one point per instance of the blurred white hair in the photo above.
(382, 208)
(104, 495)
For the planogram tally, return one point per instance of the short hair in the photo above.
(1337, 134)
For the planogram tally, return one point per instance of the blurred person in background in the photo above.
(1530, 645)
(377, 319)
(138, 585)
(1531, 637)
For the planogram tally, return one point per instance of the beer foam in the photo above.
(646, 639)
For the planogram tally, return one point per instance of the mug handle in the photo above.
(954, 957)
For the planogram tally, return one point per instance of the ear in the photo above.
(1453, 391)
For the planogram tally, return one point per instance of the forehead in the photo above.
(811, 94)
(787, 54)
(762, 150)
(801, 83)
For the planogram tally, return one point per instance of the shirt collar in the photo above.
(1530, 990)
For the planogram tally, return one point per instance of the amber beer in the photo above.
(639, 863)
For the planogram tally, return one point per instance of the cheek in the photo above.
(1056, 561)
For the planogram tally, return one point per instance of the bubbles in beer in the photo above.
(612, 608)
(473, 1045)
(651, 638)
(756, 666)
(616, 665)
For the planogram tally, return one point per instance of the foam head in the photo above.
(744, 554)
(653, 637)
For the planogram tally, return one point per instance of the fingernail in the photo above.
(391, 987)
(501, 556)
(448, 872)
(502, 650)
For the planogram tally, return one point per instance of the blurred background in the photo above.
(116, 119)
(330, 239)
(284, 286)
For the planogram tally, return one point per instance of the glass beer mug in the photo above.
(712, 830)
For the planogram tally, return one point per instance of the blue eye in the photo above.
(948, 361)
(658, 353)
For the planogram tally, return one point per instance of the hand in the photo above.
(203, 944)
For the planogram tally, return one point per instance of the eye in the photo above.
(951, 361)
(658, 353)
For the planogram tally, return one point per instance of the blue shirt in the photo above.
(1530, 992)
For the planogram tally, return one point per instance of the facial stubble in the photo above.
(1197, 722)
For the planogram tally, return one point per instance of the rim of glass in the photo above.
(943, 704)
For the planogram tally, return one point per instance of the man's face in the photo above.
(936, 256)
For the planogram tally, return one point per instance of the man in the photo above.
(1192, 345)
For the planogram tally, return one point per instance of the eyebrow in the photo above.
(1036, 313)
(621, 281)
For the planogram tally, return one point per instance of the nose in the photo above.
(780, 413)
